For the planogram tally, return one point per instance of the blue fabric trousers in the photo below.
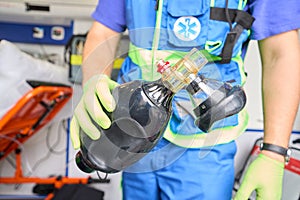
(172, 172)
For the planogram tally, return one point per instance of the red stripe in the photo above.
(293, 166)
(255, 151)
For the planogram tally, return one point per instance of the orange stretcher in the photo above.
(32, 112)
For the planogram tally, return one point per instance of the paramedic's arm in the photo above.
(98, 56)
(99, 51)
(280, 56)
(281, 93)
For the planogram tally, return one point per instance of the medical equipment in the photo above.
(139, 120)
(144, 109)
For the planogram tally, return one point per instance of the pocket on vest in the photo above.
(187, 22)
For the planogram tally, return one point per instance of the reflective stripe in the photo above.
(143, 58)
(76, 59)
(212, 45)
(214, 137)
(156, 37)
(242, 4)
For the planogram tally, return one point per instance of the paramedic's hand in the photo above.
(264, 175)
(97, 87)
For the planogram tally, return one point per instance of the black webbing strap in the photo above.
(243, 21)
(219, 14)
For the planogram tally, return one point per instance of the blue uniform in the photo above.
(171, 171)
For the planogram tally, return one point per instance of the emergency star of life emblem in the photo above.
(187, 28)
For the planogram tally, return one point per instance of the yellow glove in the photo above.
(264, 175)
(97, 89)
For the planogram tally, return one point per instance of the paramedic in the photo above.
(223, 29)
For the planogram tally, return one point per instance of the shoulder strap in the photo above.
(243, 21)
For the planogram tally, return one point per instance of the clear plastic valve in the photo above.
(183, 72)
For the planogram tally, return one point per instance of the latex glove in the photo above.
(264, 175)
(98, 88)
